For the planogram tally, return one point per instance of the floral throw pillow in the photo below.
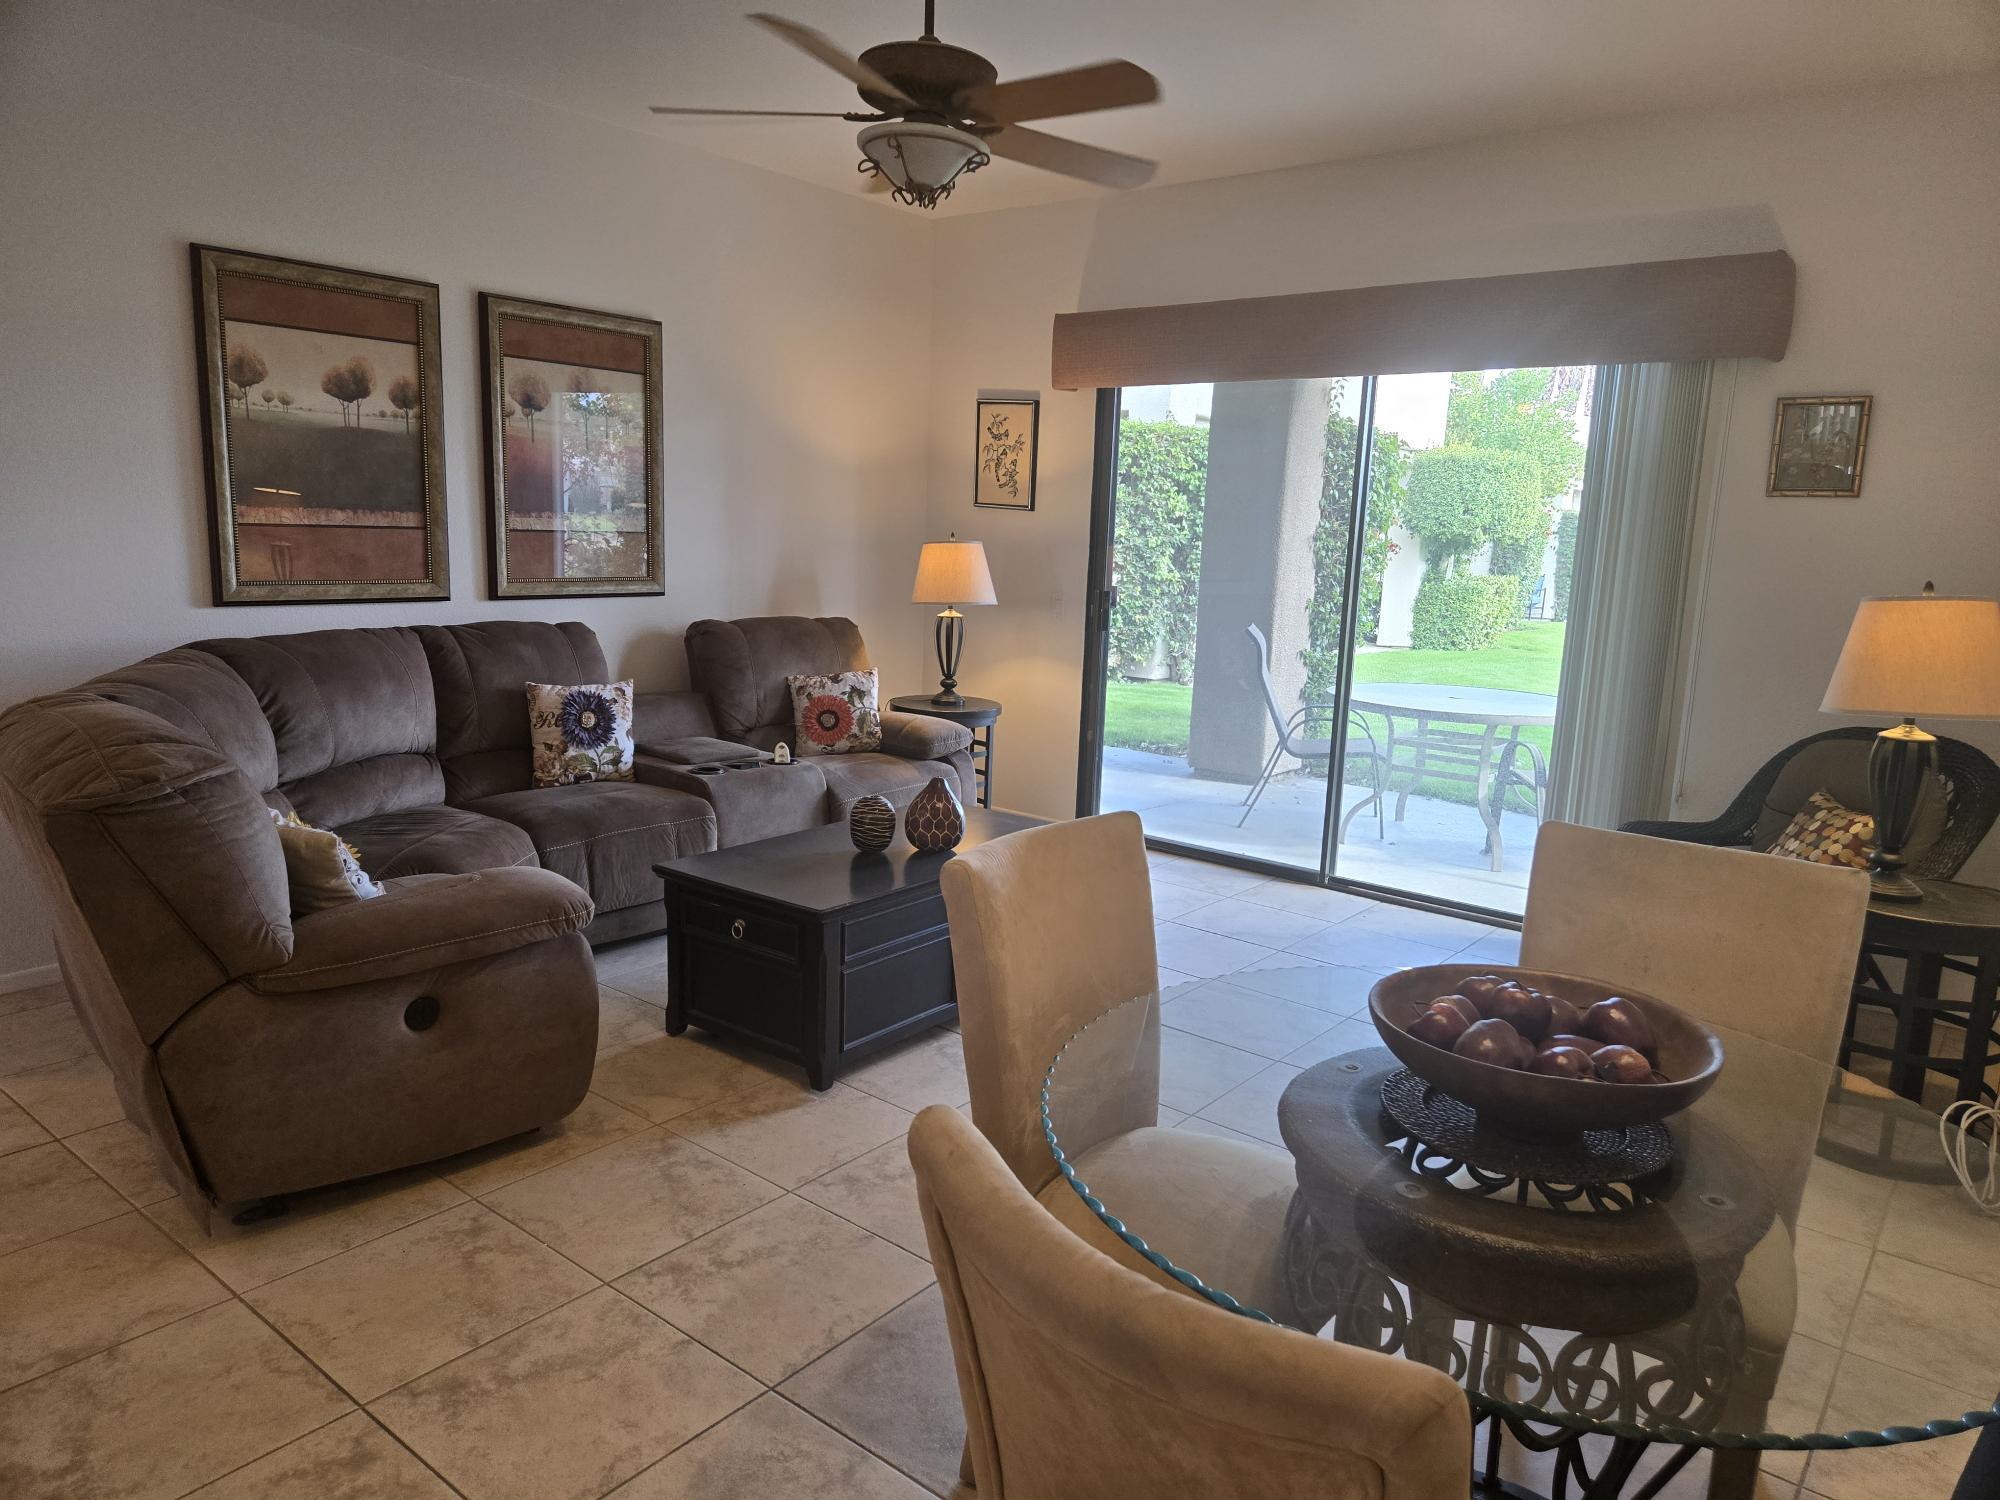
(1827, 833)
(834, 715)
(320, 867)
(581, 733)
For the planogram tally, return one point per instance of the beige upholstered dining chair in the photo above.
(1080, 1378)
(1757, 944)
(1050, 927)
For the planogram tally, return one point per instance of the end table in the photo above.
(976, 714)
(1954, 929)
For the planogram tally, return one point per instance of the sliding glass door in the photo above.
(1364, 573)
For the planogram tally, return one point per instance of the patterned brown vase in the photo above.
(934, 819)
(871, 823)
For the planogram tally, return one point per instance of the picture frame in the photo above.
(575, 479)
(1819, 445)
(322, 406)
(1006, 439)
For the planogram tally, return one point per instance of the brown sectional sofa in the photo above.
(267, 1053)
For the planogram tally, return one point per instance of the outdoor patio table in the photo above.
(1454, 755)
(1746, 1296)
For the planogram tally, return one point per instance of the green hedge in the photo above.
(1463, 611)
(1459, 498)
(1162, 479)
(1565, 561)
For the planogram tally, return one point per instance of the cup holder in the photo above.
(706, 770)
(421, 1014)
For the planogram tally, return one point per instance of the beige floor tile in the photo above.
(769, 1450)
(593, 1123)
(31, 999)
(1208, 1127)
(671, 1075)
(1207, 955)
(1305, 981)
(124, 1156)
(893, 1389)
(1867, 1395)
(777, 1288)
(1252, 1106)
(789, 1134)
(387, 1311)
(878, 1191)
(36, 1038)
(1310, 900)
(929, 1069)
(320, 1224)
(1172, 902)
(352, 1459)
(1939, 1226)
(1226, 1012)
(72, 1296)
(1195, 1071)
(638, 968)
(1929, 1323)
(18, 1129)
(630, 1202)
(1830, 1273)
(44, 1192)
(68, 1097)
(1844, 1203)
(1349, 1034)
(567, 1407)
(1252, 922)
(161, 1414)
(623, 1021)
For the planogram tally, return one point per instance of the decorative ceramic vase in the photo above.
(871, 824)
(934, 819)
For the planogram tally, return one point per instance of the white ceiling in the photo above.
(1247, 85)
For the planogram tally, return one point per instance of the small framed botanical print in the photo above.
(1818, 445)
(320, 403)
(1005, 437)
(573, 464)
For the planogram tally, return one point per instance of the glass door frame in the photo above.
(1101, 597)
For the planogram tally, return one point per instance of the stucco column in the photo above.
(1266, 460)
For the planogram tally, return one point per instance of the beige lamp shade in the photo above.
(1924, 657)
(953, 573)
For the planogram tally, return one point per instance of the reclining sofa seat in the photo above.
(741, 667)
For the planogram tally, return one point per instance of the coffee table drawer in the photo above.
(863, 935)
(741, 926)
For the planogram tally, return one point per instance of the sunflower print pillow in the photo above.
(833, 715)
(581, 733)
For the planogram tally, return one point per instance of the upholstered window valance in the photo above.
(1711, 307)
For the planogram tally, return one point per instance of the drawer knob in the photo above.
(736, 929)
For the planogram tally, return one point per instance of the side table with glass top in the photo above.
(976, 714)
(1955, 929)
(1654, 1313)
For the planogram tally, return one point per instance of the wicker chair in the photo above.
(1838, 761)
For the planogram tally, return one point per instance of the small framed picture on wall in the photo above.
(1818, 445)
(574, 473)
(1004, 440)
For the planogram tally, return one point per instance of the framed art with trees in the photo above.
(321, 401)
(574, 474)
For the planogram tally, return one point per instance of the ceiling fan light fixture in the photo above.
(920, 161)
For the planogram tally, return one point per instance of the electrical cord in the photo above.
(1955, 1129)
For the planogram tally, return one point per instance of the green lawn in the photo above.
(1154, 715)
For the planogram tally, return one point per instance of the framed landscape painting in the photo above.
(1005, 435)
(573, 465)
(320, 401)
(1818, 446)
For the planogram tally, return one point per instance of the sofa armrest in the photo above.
(700, 750)
(922, 736)
(423, 922)
(670, 715)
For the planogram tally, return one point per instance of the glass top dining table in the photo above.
(1792, 1267)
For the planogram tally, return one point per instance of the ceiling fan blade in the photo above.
(803, 114)
(1053, 153)
(815, 45)
(1076, 91)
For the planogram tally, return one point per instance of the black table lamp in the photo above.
(951, 573)
(1926, 655)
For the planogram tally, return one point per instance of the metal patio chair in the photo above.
(1296, 739)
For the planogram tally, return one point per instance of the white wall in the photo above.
(795, 363)
(1888, 200)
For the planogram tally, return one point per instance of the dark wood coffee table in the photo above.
(804, 947)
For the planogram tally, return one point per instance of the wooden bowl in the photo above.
(1534, 1104)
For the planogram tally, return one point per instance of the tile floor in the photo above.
(707, 1282)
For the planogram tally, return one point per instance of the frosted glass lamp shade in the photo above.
(953, 573)
(921, 161)
(1924, 657)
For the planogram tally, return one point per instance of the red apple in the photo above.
(1616, 1063)
(1463, 1006)
(1526, 1010)
(1479, 988)
(1562, 1062)
(1618, 1022)
(1439, 1025)
(1495, 1042)
(1563, 1016)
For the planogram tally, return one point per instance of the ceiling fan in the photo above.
(936, 112)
